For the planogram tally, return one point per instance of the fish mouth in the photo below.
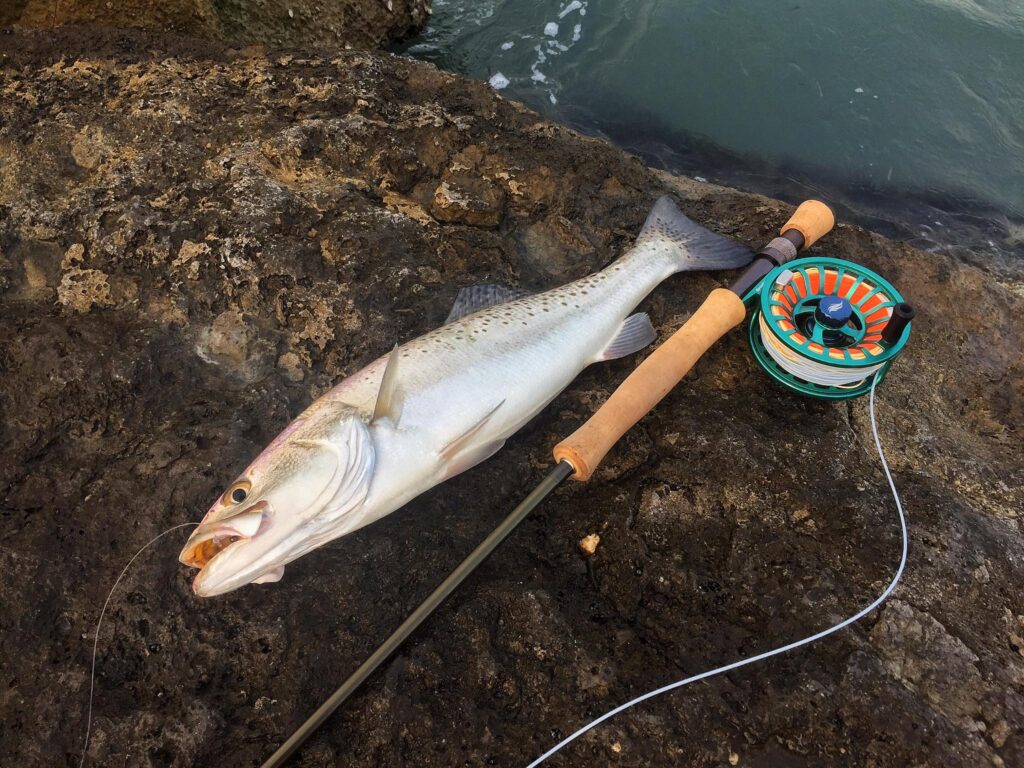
(210, 540)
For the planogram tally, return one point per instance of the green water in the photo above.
(909, 109)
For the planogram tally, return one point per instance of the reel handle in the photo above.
(813, 220)
(644, 388)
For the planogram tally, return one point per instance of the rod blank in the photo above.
(417, 617)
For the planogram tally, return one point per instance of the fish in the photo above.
(437, 405)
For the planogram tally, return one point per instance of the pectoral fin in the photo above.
(274, 574)
(389, 401)
(464, 441)
(635, 333)
(472, 457)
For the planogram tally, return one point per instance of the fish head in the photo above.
(300, 492)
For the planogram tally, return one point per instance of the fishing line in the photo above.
(809, 370)
(775, 652)
(99, 623)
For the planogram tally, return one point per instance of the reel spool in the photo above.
(826, 327)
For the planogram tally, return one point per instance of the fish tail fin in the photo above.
(686, 243)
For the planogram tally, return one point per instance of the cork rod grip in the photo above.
(812, 219)
(650, 382)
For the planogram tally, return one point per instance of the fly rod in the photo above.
(580, 454)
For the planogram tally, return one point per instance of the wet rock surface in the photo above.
(195, 243)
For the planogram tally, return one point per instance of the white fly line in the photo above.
(776, 651)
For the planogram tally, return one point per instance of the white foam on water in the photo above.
(573, 6)
(555, 41)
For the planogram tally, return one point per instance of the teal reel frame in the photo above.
(787, 298)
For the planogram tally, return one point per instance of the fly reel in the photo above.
(826, 327)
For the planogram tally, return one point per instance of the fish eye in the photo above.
(237, 493)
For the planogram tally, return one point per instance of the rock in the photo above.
(82, 289)
(1000, 733)
(35, 275)
(88, 147)
(73, 257)
(291, 364)
(292, 23)
(467, 200)
(552, 245)
(190, 257)
(588, 544)
(240, 230)
(230, 341)
(924, 656)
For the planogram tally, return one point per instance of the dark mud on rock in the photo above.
(193, 246)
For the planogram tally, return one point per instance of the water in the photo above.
(908, 113)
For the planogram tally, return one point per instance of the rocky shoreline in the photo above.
(197, 240)
(337, 24)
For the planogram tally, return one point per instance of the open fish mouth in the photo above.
(211, 539)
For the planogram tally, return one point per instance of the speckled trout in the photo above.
(437, 406)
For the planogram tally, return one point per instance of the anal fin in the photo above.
(635, 333)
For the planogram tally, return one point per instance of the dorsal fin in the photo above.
(476, 297)
(389, 401)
